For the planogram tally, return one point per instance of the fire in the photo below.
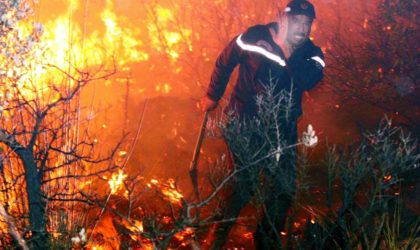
(187, 232)
(136, 227)
(171, 192)
(105, 236)
(139, 225)
(122, 153)
(164, 88)
(168, 189)
(166, 219)
(64, 43)
(170, 41)
(116, 181)
(97, 247)
(365, 23)
(173, 195)
(123, 40)
(248, 235)
(147, 246)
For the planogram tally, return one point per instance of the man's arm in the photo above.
(225, 64)
(307, 72)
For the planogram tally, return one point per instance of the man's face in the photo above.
(299, 29)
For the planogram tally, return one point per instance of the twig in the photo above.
(15, 234)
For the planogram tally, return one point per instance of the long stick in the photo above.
(193, 166)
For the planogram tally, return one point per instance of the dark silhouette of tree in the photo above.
(45, 151)
(375, 62)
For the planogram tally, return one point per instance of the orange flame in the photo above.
(65, 45)
(170, 41)
(187, 232)
(171, 192)
(116, 181)
(168, 190)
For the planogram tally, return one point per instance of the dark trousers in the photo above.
(272, 183)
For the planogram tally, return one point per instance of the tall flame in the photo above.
(169, 40)
(64, 44)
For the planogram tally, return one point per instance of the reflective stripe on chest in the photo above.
(259, 50)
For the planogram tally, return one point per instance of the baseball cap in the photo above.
(300, 7)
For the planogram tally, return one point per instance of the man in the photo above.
(280, 53)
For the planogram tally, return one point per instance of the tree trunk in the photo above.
(36, 201)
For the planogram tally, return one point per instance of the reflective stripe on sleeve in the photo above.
(261, 51)
(319, 60)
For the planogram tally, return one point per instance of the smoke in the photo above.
(165, 52)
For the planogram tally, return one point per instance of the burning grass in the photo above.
(358, 206)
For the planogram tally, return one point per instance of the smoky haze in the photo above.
(165, 52)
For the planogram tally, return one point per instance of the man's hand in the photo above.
(207, 104)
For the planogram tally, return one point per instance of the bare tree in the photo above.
(373, 61)
(47, 149)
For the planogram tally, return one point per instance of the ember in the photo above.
(387, 178)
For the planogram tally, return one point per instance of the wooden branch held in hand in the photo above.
(194, 162)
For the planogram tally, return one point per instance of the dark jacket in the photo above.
(260, 60)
